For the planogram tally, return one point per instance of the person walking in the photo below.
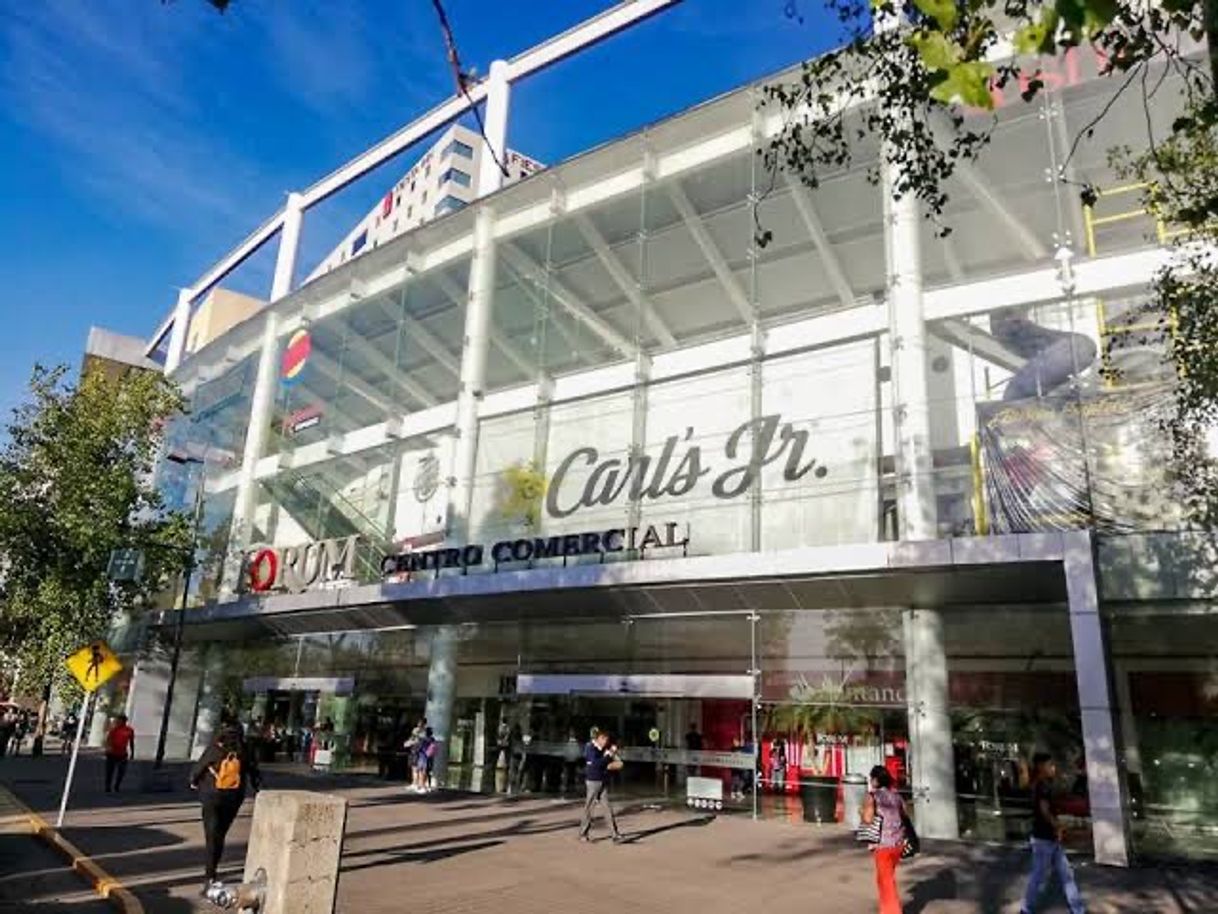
(778, 764)
(67, 732)
(120, 748)
(19, 732)
(599, 759)
(221, 776)
(1047, 832)
(8, 723)
(412, 744)
(424, 751)
(570, 761)
(885, 804)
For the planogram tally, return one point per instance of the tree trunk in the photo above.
(40, 731)
(1211, 40)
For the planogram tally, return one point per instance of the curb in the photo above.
(103, 883)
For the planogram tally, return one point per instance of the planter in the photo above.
(819, 798)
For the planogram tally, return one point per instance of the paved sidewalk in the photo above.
(33, 877)
(461, 853)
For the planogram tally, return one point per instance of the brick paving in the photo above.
(457, 853)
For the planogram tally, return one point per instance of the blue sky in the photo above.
(139, 140)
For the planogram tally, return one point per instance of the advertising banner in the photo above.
(786, 453)
(1064, 462)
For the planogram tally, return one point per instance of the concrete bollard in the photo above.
(296, 839)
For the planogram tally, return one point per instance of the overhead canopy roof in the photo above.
(1018, 570)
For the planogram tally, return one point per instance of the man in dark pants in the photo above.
(221, 775)
(599, 760)
(120, 747)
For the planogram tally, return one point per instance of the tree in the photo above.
(76, 483)
(908, 73)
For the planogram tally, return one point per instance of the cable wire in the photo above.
(463, 82)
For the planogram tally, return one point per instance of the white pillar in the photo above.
(101, 717)
(177, 331)
(1109, 833)
(441, 693)
(146, 703)
(289, 244)
(262, 401)
(932, 761)
(907, 342)
(930, 726)
(494, 122)
(207, 717)
(473, 373)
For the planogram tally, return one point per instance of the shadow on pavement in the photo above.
(697, 822)
(33, 877)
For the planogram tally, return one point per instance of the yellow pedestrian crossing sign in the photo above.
(94, 665)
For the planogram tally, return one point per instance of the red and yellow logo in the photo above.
(295, 356)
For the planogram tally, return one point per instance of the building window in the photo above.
(456, 147)
(358, 244)
(409, 211)
(424, 196)
(412, 187)
(457, 176)
(448, 205)
(395, 225)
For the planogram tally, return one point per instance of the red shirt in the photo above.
(118, 740)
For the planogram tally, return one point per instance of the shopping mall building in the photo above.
(585, 454)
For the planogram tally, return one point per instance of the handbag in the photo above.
(912, 843)
(869, 832)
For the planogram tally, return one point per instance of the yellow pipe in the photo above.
(980, 520)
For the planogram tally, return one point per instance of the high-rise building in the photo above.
(440, 182)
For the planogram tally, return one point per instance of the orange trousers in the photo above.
(886, 860)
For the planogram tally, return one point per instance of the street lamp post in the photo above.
(176, 656)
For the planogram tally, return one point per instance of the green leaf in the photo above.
(942, 11)
(1098, 14)
(1072, 12)
(1038, 37)
(937, 51)
(967, 82)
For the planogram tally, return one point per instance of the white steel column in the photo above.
(207, 715)
(907, 342)
(262, 400)
(930, 728)
(289, 245)
(1108, 825)
(441, 692)
(473, 374)
(932, 761)
(177, 332)
(494, 122)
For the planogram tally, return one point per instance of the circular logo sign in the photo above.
(295, 355)
(427, 478)
(263, 569)
(654, 734)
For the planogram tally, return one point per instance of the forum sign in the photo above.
(298, 568)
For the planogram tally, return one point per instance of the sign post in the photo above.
(93, 666)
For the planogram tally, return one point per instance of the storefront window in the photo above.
(1165, 672)
(842, 693)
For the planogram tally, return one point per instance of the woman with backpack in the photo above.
(221, 775)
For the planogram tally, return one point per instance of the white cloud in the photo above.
(106, 92)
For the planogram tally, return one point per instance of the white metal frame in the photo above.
(494, 90)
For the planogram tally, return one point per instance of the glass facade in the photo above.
(639, 364)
